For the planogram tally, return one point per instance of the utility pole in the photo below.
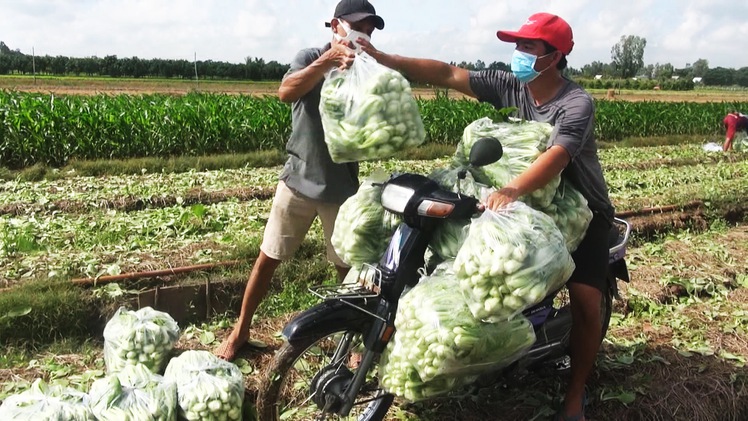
(33, 64)
(197, 82)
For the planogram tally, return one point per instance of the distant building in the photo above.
(697, 80)
(676, 77)
(598, 77)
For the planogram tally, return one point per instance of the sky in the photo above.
(678, 32)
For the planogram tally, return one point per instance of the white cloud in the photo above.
(677, 32)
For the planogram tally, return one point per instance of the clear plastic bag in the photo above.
(571, 214)
(439, 346)
(207, 386)
(510, 260)
(133, 394)
(45, 402)
(368, 112)
(363, 227)
(522, 143)
(145, 336)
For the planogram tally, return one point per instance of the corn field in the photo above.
(50, 129)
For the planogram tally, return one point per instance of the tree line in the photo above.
(16, 62)
(627, 64)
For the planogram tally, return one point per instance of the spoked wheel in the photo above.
(304, 380)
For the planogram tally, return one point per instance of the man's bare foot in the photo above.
(230, 346)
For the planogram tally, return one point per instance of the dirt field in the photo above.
(86, 86)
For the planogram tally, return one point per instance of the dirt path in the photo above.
(84, 86)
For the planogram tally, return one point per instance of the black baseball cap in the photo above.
(357, 10)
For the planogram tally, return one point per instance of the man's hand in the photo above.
(340, 55)
(370, 50)
(501, 198)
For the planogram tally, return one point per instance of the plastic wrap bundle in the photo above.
(510, 260)
(207, 386)
(134, 394)
(44, 402)
(368, 112)
(439, 345)
(571, 214)
(363, 227)
(145, 336)
(522, 143)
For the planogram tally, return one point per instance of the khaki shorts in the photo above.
(291, 216)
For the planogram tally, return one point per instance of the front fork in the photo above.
(375, 341)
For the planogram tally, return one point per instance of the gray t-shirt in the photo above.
(309, 169)
(572, 115)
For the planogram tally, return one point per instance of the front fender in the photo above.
(330, 316)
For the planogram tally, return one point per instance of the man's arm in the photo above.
(299, 83)
(433, 72)
(548, 165)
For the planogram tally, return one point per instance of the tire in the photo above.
(285, 389)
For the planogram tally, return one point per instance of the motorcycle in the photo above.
(313, 374)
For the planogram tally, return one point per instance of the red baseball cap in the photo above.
(543, 26)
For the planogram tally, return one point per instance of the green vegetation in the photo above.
(54, 130)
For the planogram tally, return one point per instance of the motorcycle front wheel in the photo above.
(303, 378)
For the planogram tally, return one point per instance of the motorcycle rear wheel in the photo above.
(287, 386)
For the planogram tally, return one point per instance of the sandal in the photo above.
(561, 415)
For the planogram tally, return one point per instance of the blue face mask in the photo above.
(523, 66)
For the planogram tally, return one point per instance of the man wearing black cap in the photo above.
(311, 185)
(538, 89)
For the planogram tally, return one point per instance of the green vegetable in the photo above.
(208, 388)
(522, 142)
(571, 214)
(363, 227)
(44, 402)
(134, 394)
(439, 345)
(511, 260)
(368, 112)
(145, 336)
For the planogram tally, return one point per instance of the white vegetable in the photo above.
(43, 402)
(368, 112)
(439, 345)
(145, 336)
(511, 260)
(208, 388)
(522, 143)
(363, 227)
(134, 394)
(571, 214)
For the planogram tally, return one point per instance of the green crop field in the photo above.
(102, 185)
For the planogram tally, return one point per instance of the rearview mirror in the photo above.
(485, 150)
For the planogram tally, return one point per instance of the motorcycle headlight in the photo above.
(395, 198)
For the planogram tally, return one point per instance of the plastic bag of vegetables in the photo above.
(571, 214)
(522, 142)
(439, 345)
(45, 402)
(145, 336)
(134, 394)
(363, 227)
(368, 112)
(511, 259)
(449, 236)
(208, 388)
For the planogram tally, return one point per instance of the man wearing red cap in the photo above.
(734, 122)
(310, 185)
(537, 87)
